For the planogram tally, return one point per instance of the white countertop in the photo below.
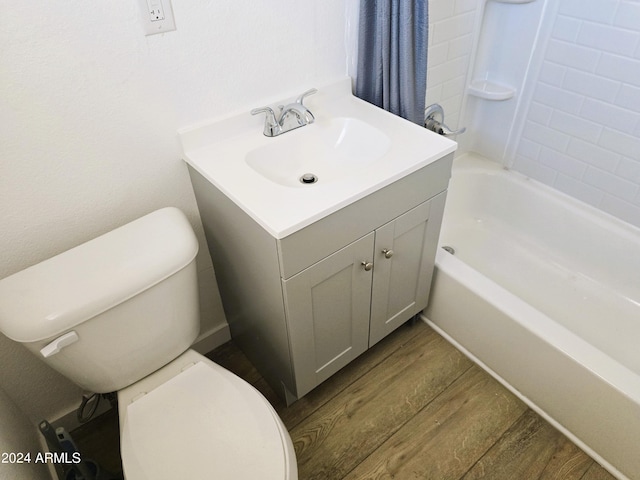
(217, 150)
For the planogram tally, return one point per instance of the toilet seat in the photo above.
(202, 423)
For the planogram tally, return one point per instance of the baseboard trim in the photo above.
(212, 339)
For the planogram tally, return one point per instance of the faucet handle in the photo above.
(271, 125)
(442, 129)
(268, 110)
(306, 94)
(434, 120)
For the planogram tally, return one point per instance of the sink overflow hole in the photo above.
(449, 249)
(308, 178)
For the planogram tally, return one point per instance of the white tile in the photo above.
(448, 70)
(608, 38)
(593, 155)
(552, 73)
(574, 126)
(546, 136)
(629, 169)
(438, 53)
(539, 113)
(440, 10)
(453, 87)
(619, 68)
(611, 184)
(558, 98)
(460, 46)
(462, 6)
(627, 145)
(566, 28)
(629, 97)
(609, 115)
(453, 27)
(562, 163)
(628, 15)
(597, 10)
(572, 55)
(434, 91)
(451, 106)
(529, 149)
(590, 85)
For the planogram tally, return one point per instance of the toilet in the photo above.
(119, 313)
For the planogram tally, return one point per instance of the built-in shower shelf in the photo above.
(490, 90)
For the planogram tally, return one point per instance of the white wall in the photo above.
(17, 435)
(582, 129)
(89, 109)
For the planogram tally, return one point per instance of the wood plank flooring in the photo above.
(413, 407)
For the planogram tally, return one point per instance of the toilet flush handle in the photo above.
(59, 343)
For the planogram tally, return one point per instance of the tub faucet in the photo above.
(434, 120)
(290, 116)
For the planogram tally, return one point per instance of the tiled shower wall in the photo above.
(582, 129)
(451, 34)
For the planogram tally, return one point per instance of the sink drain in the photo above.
(308, 178)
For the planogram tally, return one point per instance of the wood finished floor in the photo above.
(413, 407)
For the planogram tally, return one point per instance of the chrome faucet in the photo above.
(434, 120)
(290, 117)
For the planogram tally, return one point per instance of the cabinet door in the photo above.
(403, 255)
(328, 307)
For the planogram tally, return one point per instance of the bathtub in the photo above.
(543, 292)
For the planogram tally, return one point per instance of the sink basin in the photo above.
(328, 150)
(352, 149)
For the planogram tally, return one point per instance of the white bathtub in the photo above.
(544, 293)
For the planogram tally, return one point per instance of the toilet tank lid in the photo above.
(59, 293)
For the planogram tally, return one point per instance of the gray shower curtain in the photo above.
(392, 56)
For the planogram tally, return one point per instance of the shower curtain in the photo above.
(392, 56)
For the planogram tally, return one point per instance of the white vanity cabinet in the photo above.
(303, 306)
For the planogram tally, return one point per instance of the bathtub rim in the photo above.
(474, 163)
(527, 401)
(625, 237)
(623, 379)
(452, 264)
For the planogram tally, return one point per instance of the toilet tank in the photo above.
(113, 310)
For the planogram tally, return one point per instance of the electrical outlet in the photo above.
(156, 16)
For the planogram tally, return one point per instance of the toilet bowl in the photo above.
(119, 313)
